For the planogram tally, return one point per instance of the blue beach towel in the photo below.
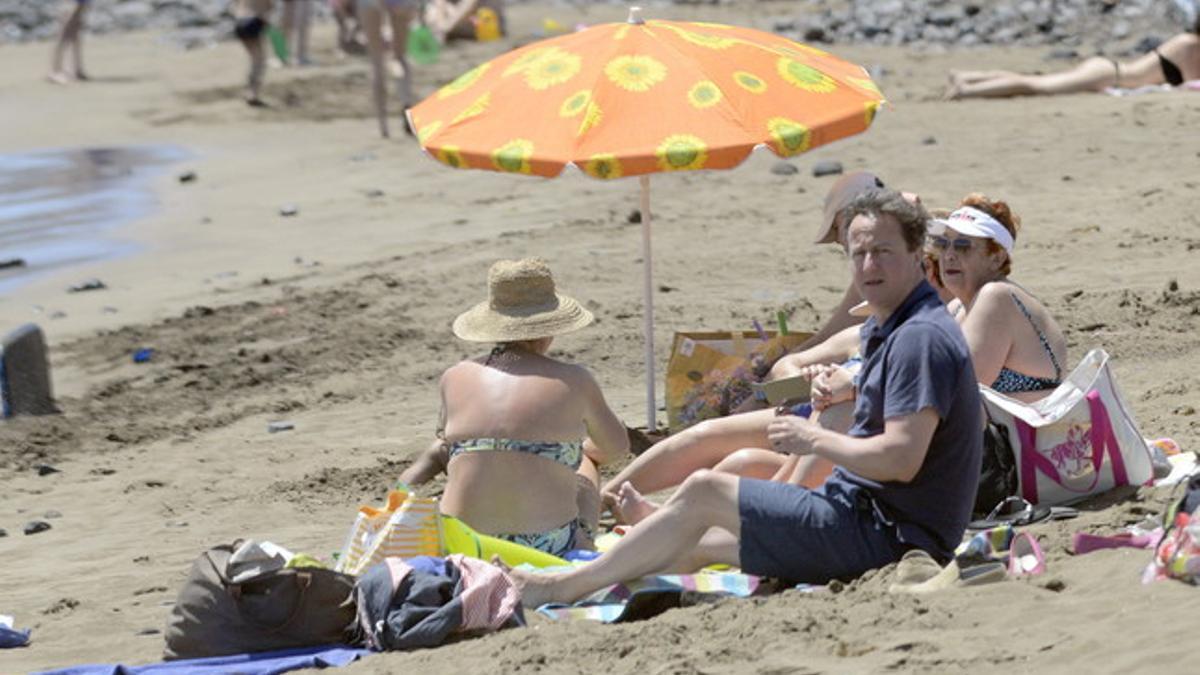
(262, 663)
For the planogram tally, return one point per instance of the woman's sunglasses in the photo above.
(960, 245)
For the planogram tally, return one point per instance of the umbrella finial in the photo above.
(635, 16)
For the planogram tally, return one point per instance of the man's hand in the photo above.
(792, 435)
(832, 385)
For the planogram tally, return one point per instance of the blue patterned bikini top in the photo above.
(567, 453)
(1010, 381)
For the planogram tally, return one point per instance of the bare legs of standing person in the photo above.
(372, 16)
(296, 24)
(70, 37)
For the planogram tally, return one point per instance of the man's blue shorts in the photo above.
(812, 536)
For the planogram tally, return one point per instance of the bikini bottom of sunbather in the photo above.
(557, 541)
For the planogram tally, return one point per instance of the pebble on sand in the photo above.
(827, 167)
(35, 526)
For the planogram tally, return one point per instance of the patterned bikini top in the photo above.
(567, 453)
(1010, 381)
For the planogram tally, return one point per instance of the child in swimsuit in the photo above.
(522, 433)
(250, 17)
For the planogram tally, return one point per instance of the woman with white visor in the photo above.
(1016, 345)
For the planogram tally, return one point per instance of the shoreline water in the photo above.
(64, 207)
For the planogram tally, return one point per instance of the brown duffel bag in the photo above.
(276, 609)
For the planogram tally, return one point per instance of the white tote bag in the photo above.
(1079, 441)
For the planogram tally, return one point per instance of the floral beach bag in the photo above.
(1079, 441)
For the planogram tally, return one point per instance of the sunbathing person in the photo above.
(524, 432)
(907, 470)
(1173, 62)
(737, 444)
(1016, 345)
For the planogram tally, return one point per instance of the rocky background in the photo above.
(1109, 26)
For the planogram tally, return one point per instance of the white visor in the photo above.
(974, 223)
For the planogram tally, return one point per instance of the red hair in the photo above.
(1001, 212)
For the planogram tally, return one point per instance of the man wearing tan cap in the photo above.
(833, 230)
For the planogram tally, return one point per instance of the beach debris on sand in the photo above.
(92, 284)
(36, 526)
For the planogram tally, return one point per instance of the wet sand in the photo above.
(338, 318)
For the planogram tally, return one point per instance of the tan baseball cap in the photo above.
(839, 197)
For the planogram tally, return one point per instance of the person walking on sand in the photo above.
(399, 14)
(296, 24)
(70, 38)
(907, 470)
(251, 21)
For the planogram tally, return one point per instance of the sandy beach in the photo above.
(338, 320)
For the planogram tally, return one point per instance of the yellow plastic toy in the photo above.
(458, 537)
(551, 27)
(487, 25)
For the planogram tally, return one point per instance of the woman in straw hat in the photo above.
(523, 432)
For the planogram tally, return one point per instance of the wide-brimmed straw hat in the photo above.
(522, 304)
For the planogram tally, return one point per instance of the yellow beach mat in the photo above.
(458, 537)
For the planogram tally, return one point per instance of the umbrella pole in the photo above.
(648, 309)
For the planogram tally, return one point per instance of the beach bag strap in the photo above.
(1102, 441)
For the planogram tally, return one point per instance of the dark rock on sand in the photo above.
(827, 167)
(187, 177)
(784, 169)
(288, 210)
(12, 262)
(88, 285)
(635, 216)
(35, 526)
(45, 469)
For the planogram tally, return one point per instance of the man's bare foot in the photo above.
(631, 507)
(535, 589)
(58, 77)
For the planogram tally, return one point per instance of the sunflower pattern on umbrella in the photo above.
(628, 99)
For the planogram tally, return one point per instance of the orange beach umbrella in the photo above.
(634, 98)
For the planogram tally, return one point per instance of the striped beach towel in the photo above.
(612, 604)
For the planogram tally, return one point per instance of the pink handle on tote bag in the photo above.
(1102, 440)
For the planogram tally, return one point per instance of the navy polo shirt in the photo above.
(917, 359)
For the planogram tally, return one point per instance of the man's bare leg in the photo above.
(706, 499)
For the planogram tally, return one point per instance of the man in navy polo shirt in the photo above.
(907, 470)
